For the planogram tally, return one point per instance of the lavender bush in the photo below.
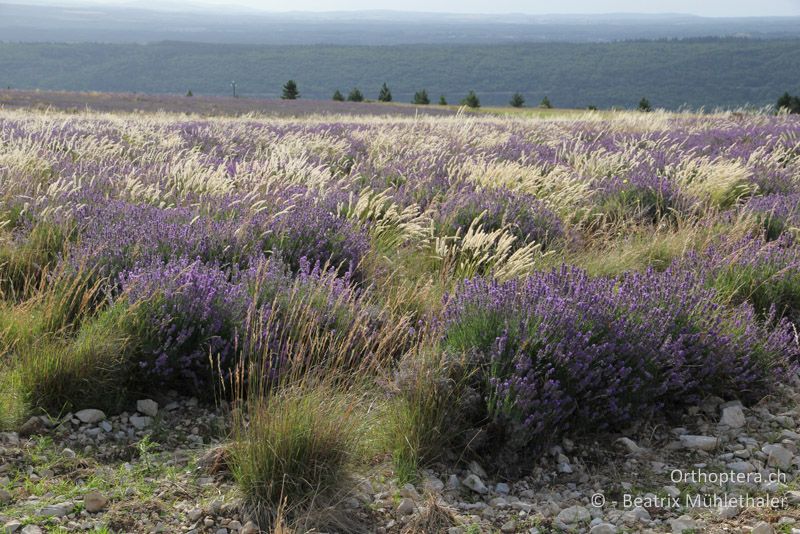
(563, 352)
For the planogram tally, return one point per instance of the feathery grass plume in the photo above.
(718, 184)
(480, 252)
(389, 224)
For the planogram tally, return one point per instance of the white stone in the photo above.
(574, 514)
(700, 443)
(473, 482)
(11, 527)
(732, 416)
(682, 524)
(630, 445)
(147, 407)
(476, 468)
(604, 528)
(31, 529)
(90, 416)
(56, 510)
(777, 456)
(742, 467)
(140, 422)
(638, 514)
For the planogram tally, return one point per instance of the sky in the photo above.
(713, 8)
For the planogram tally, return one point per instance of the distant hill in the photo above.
(95, 22)
(703, 72)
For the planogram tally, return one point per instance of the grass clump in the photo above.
(295, 446)
(421, 419)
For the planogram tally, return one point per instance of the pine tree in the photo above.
(290, 91)
(517, 101)
(442, 101)
(338, 96)
(355, 95)
(545, 103)
(471, 100)
(421, 98)
(644, 105)
(189, 93)
(790, 103)
(385, 95)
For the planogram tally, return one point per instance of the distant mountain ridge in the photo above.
(50, 22)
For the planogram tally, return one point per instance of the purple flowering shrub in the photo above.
(776, 212)
(642, 195)
(118, 235)
(564, 352)
(311, 230)
(525, 216)
(184, 313)
(764, 273)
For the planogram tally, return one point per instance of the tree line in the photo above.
(786, 103)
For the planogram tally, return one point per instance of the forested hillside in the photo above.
(703, 72)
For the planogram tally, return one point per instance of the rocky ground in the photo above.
(156, 469)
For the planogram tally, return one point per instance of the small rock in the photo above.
(502, 488)
(728, 512)
(222, 531)
(682, 524)
(234, 525)
(11, 527)
(638, 514)
(509, 526)
(5, 497)
(250, 528)
(56, 510)
(140, 422)
(90, 416)
(742, 467)
(777, 456)
(476, 468)
(147, 407)
(194, 514)
(793, 497)
(603, 528)
(406, 507)
(630, 446)
(31, 529)
(732, 415)
(453, 484)
(68, 453)
(9, 438)
(700, 443)
(106, 426)
(763, 528)
(574, 514)
(433, 484)
(473, 482)
(94, 502)
(31, 427)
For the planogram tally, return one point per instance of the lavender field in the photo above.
(396, 295)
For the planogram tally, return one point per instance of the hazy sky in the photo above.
(717, 8)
